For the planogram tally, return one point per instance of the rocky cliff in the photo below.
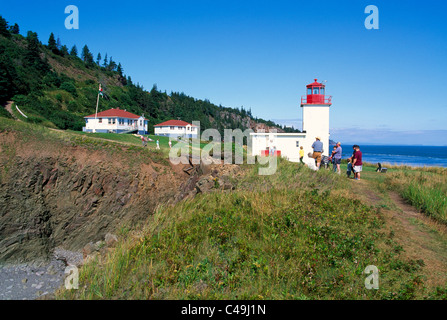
(58, 193)
(69, 197)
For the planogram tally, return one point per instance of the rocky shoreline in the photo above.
(32, 281)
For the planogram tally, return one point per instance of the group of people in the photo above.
(144, 141)
(355, 163)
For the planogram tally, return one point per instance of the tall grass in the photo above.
(424, 188)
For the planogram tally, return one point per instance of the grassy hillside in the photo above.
(295, 235)
(57, 89)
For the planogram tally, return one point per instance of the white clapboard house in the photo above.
(116, 121)
(175, 129)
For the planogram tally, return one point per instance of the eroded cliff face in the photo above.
(70, 197)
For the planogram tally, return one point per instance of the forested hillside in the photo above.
(57, 86)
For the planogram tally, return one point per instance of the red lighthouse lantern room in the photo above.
(316, 94)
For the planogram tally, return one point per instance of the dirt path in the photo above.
(8, 108)
(421, 237)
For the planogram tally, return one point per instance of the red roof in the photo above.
(112, 113)
(315, 84)
(177, 123)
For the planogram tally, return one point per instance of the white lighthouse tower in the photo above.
(316, 107)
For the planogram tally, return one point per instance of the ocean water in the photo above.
(415, 156)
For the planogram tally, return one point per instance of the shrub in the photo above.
(69, 87)
(4, 113)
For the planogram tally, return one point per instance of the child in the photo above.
(349, 170)
(301, 155)
(332, 159)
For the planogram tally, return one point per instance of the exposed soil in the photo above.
(8, 108)
(421, 237)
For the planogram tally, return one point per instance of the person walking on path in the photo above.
(144, 140)
(357, 162)
(336, 155)
(318, 150)
(301, 155)
(170, 144)
(158, 144)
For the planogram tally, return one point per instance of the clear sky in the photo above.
(387, 84)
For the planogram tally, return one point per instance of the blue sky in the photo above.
(387, 84)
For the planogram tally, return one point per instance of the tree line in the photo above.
(60, 99)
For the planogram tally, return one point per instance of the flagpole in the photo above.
(97, 104)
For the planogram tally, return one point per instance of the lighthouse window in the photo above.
(316, 90)
(322, 91)
(309, 91)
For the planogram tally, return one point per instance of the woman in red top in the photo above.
(357, 162)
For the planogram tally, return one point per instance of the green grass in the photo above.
(424, 188)
(126, 148)
(293, 235)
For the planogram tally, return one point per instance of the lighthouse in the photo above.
(316, 105)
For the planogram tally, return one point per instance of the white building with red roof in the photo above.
(316, 106)
(116, 121)
(175, 129)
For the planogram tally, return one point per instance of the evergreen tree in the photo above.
(52, 42)
(32, 55)
(87, 56)
(106, 62)
(4, 28)
(98, 59)
(120, 69)
(64, 50)
(58, 43)
(74, 51)
(14, 29)
(112, 65)
(8, 77)
(32, 46)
